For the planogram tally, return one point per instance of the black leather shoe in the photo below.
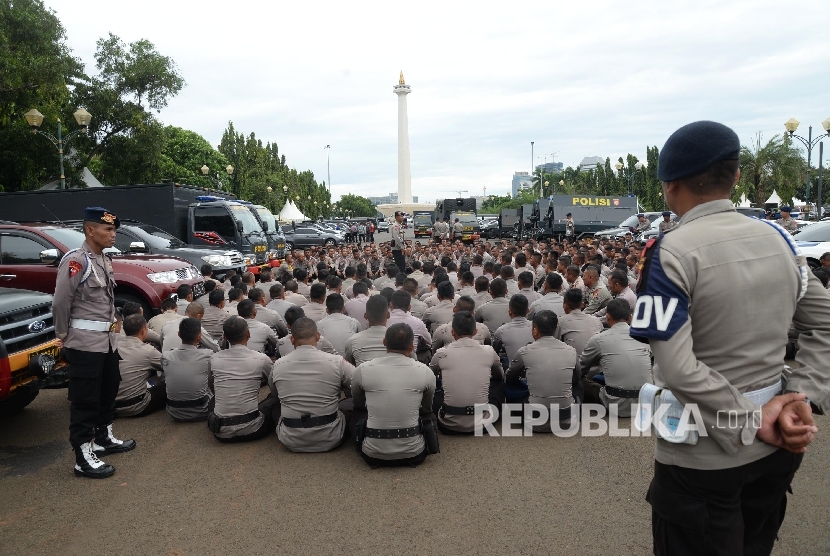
(106, 443)
(87, 463)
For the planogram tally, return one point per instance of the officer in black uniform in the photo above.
(85, 326)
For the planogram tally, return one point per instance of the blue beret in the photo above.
(785, 208)
(101, 216)
(569, 214)
(666, 213)
(695, 147)
(641, 215)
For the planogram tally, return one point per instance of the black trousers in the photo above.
(414, 461)
(725, 512)
(93, 385)
(270, 408)
(399, 260)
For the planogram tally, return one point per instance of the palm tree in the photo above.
(776, 165)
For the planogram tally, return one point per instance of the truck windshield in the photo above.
(268, 218)
(423, 219)
(242, 214)
(466, 218)
(72, 239)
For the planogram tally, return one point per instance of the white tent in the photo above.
(290, 213)
(798, 202)
(774, 199)
(744, 202)
(89, 180)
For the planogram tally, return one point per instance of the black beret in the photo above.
(641, 215)
(666, 213)
(695, 147)
(569, 214)
(785, 208)
(100, 215)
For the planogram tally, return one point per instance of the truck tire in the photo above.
(123, 298)
(16, 404)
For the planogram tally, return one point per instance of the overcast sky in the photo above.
(579, 78)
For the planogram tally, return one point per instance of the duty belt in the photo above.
(94, 325)
(189, 403)
(307, 421)
(458, 410)
(393, 433)
(621, 392)
(238, 419)
(130, 401)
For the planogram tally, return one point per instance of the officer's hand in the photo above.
(770, 431)
(797, 425)
(59, 343)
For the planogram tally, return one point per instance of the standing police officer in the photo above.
(729, 478)
(667, 223)
(398, 243)
(85, 325)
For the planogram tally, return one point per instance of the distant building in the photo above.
(551, 167)
(391, 199)
(521, 180)
(590, 163)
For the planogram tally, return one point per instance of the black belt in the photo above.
(307, 421)
(189, 403)
(238, 419)
(458, 410)
(130, 401)
(393, 433)
(621, 392)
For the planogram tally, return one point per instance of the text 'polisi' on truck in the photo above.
(198, 217)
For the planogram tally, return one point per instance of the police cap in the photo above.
(567, 215)
(785, 208)
(695, 147)
(641, 215)
(666, 213)
(100, 215)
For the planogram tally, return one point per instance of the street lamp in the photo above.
(206, 171)
(638, 166)
(791, 125)
(268, 189)
(35, 118)
(561, 184)
(547, 184)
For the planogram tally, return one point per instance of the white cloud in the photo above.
(591, 78)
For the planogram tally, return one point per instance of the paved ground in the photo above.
(182, 492)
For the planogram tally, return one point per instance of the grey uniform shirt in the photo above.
(229, 308)
(237, 373)
(513, 336)
(157, 322)
(398, 243)
(395, 390)
(309, 381)
(438, 314)
(94, 299)
(170, 337)
(365, 346)
(137, 360)
(296, 299)
(716, 341)
(443, 335)
(187, 377)
(493, 313)
(271, 319)
(280, 306)
(315, 311)
(625, 362)
(532, 296)
(423, 336)
(576, 328)
(466, 369)
(212, 321)
(552, 369)
(181, 306)
(338, 328)
(261, 333)
(597, 298)
(481, 298)
(417, 308)
(551, 301)
(356, 308)
(284, 346)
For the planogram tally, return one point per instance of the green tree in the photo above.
(36, 66)
(183, 154)
(356, 206)
(775, 165)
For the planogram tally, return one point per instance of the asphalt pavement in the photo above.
(182, 492)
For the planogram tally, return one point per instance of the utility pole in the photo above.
(328, 166)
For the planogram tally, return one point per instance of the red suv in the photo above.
(30, 253)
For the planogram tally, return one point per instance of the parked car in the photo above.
(814, 241)
(29, 358)
(29, 257)
(309, 236)
(383, 226)
(626, 225)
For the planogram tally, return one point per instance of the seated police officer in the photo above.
(187, 375)
(284, 345)
(308, 383)
(237, 375)
(396, 391)
(139, 393)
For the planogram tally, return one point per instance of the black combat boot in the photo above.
(106, 443)
(87, 463)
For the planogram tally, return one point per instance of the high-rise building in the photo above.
(521, 180)
(550, 167)
(590, 163)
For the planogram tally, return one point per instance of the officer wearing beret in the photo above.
(786, 221)
(667, 223)
(85, 326)
(643, 224)
(569, 226)
(728, 472)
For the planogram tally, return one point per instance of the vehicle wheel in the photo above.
(16, 404)
(329, 242)
(289, 246)
(123, 298)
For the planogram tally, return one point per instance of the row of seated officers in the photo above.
(369, 381)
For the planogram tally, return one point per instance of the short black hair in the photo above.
(545, 322)
(401, 300)
(498, 287)
(573, 298)
(521, 260)
(620, 277)
(360, 288)
(133, 324)
(236, 279)
(216, 297)
(399, 337)
(183, 291)
(519, 305)
(465, 303)
(264, 275)
(446, 290)
(206, 270)
(234, 294)
(506, 272)
(482, 284)
(554, 281)
(392, 270)
(189, 330)
(719, 176)
(169, 304)
(526, 278)
(303, 328)
(463, 323)
(300, 274)
(130, 308)
(292, 314)
(388, 293)
(377, 308)
(246, 308)
(234, 329)
(256, 295)
(194, 308)
(291, 285)
(317, 292)
(410, 285)
(333, 282)
(209, 286)
(467, 277)
(276, 290)
(334, 303)
(619, 309)
(349, 272)
(400, 278)
(822, 276)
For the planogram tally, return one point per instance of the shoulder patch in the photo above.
(74, 268)
(662, 307)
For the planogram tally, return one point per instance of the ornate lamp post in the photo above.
(35, 118)
(791, 125)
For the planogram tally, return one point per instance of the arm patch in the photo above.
(662, 307)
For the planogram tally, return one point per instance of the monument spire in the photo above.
(404, 175)
(401, 81)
